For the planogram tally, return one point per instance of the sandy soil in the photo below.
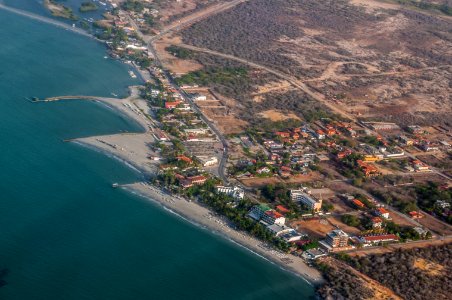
(429, 267)
(174, 64)
(275, 115)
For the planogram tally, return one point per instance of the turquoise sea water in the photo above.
(64, 232)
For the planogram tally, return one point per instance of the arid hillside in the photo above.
(375, 60)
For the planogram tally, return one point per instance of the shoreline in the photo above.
(201, 216)
(132, 149)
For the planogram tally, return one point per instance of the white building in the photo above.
(198, 97)
(196, 130)
(208, 161)
(271, 217)
(234, 191)
(306, 199)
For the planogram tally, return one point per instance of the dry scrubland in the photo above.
(380, 61)
(411, 274)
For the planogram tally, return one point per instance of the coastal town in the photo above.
(298, 191)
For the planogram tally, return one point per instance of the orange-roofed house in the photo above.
(194, 180)
(416, 215)
(172, 105)
(184, 158)
(358, 203)
(273, 217)
(368, 169)
(377, 222)
(283, 134)
(382, 212)
(344, 153)
(282, 210)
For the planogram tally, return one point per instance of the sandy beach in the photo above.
(133, 149)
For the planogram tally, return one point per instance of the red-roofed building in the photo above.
(377, 222)
(382, 212)
(381, 238)
(172, 105)
(358, 203)
(283, 210)
(416, 215)
(283, 134)
(194, 180)
(344, 153)
(368, 169)
(273, 217)
(184, 158)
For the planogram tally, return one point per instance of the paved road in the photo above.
(45, 20)
(187, 98)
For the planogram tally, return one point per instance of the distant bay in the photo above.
(64, 232)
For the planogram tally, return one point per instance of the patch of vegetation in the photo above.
(427, 195)
(133, 5)
(445, 7)
(209, 76)
(87, 6)
(179, 52)
(351, 220)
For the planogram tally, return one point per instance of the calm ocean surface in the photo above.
(64, 232)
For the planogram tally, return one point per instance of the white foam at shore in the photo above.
(216, 232)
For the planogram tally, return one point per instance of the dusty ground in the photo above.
(174, 64)
(429, 267)
(314, 227)
(275, 115)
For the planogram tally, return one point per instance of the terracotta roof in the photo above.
(273, 214)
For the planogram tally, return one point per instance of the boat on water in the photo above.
(113, 94)
(115, 185)
(132, 74)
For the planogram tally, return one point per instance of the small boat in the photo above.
(113, 94)
(132, 74)
(115, 185)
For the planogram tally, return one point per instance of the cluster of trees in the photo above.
(249, 31)
(237, 214)
(211, 76)
(428, 194)
(133, 5)
(405, 204)
(180, 52)
(397, 271)
(443, 6)
(87, 6)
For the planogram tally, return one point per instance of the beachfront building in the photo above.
(306, 199)
(258, 211)
(284, 232)
(271, 217)
(233, 191)
(193, 180)
(337, 238)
